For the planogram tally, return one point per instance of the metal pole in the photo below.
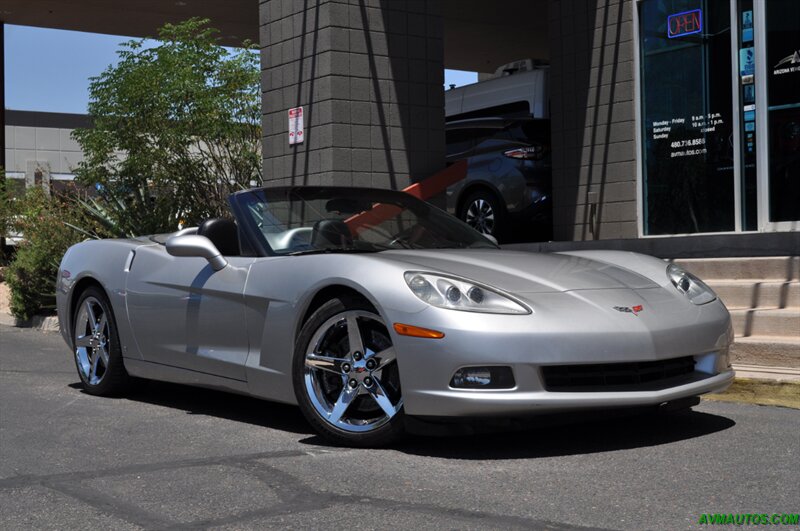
(2, 95)
(2, 118)
(762, 124)
(738, 169)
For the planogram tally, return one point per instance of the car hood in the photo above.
(523, 272)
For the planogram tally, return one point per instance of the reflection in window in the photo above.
(686, 116)
(783, 95)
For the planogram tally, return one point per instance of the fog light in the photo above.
(706, 363)
(483, 378)
(472, 377)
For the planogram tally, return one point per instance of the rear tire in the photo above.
(345, 375)
(96, 348)
(483, 211)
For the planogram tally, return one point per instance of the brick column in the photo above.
(592, 110)
(369, 74)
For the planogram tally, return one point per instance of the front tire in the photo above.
(98, 356)
(345, 375)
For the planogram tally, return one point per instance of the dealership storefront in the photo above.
(719, 104)
(668, 117)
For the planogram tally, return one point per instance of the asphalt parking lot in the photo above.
(174, 457)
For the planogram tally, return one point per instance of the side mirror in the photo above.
(491, 238)
(194, 245)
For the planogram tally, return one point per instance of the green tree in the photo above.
(176, 129)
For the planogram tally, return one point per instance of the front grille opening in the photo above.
(629, 376)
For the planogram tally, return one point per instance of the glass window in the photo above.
(533, 132)
(747, 115)
(686, 116)
(783, 100)
(462, 140)
(307, 220)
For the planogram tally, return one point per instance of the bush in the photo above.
(32, 274)
(6, 209)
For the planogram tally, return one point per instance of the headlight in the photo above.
(691, 286)
(458, 294)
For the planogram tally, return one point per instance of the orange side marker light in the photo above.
(416, 331)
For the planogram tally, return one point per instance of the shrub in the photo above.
(6, 209)
(32, 274)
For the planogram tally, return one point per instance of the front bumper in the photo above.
(590, 335)
(453, 402)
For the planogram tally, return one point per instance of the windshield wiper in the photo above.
(333, 250)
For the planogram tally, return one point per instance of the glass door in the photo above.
(779, 171)
(686, 117)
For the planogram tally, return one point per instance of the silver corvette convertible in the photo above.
(375, 311)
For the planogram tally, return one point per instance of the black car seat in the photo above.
(331, 233)
(223, 233)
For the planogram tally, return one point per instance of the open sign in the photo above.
(686, 23)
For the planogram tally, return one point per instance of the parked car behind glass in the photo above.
(507, 190)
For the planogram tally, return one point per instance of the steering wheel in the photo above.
(409, 237)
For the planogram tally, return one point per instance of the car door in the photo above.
(461, 143)
(184, 314)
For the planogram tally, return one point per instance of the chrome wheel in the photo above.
(480, 216)
(92, 341)
(350, 372)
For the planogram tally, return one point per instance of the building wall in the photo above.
(43, 145)
(593, 119)
(42, 139)
(369, 74)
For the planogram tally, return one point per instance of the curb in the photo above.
(39, 322)
(762, 372)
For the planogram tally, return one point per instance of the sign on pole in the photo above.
(296, 129)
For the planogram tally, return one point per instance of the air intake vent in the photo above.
(616, 376)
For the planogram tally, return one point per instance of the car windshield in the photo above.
(306, 220)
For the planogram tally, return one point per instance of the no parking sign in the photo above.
(296, 129)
